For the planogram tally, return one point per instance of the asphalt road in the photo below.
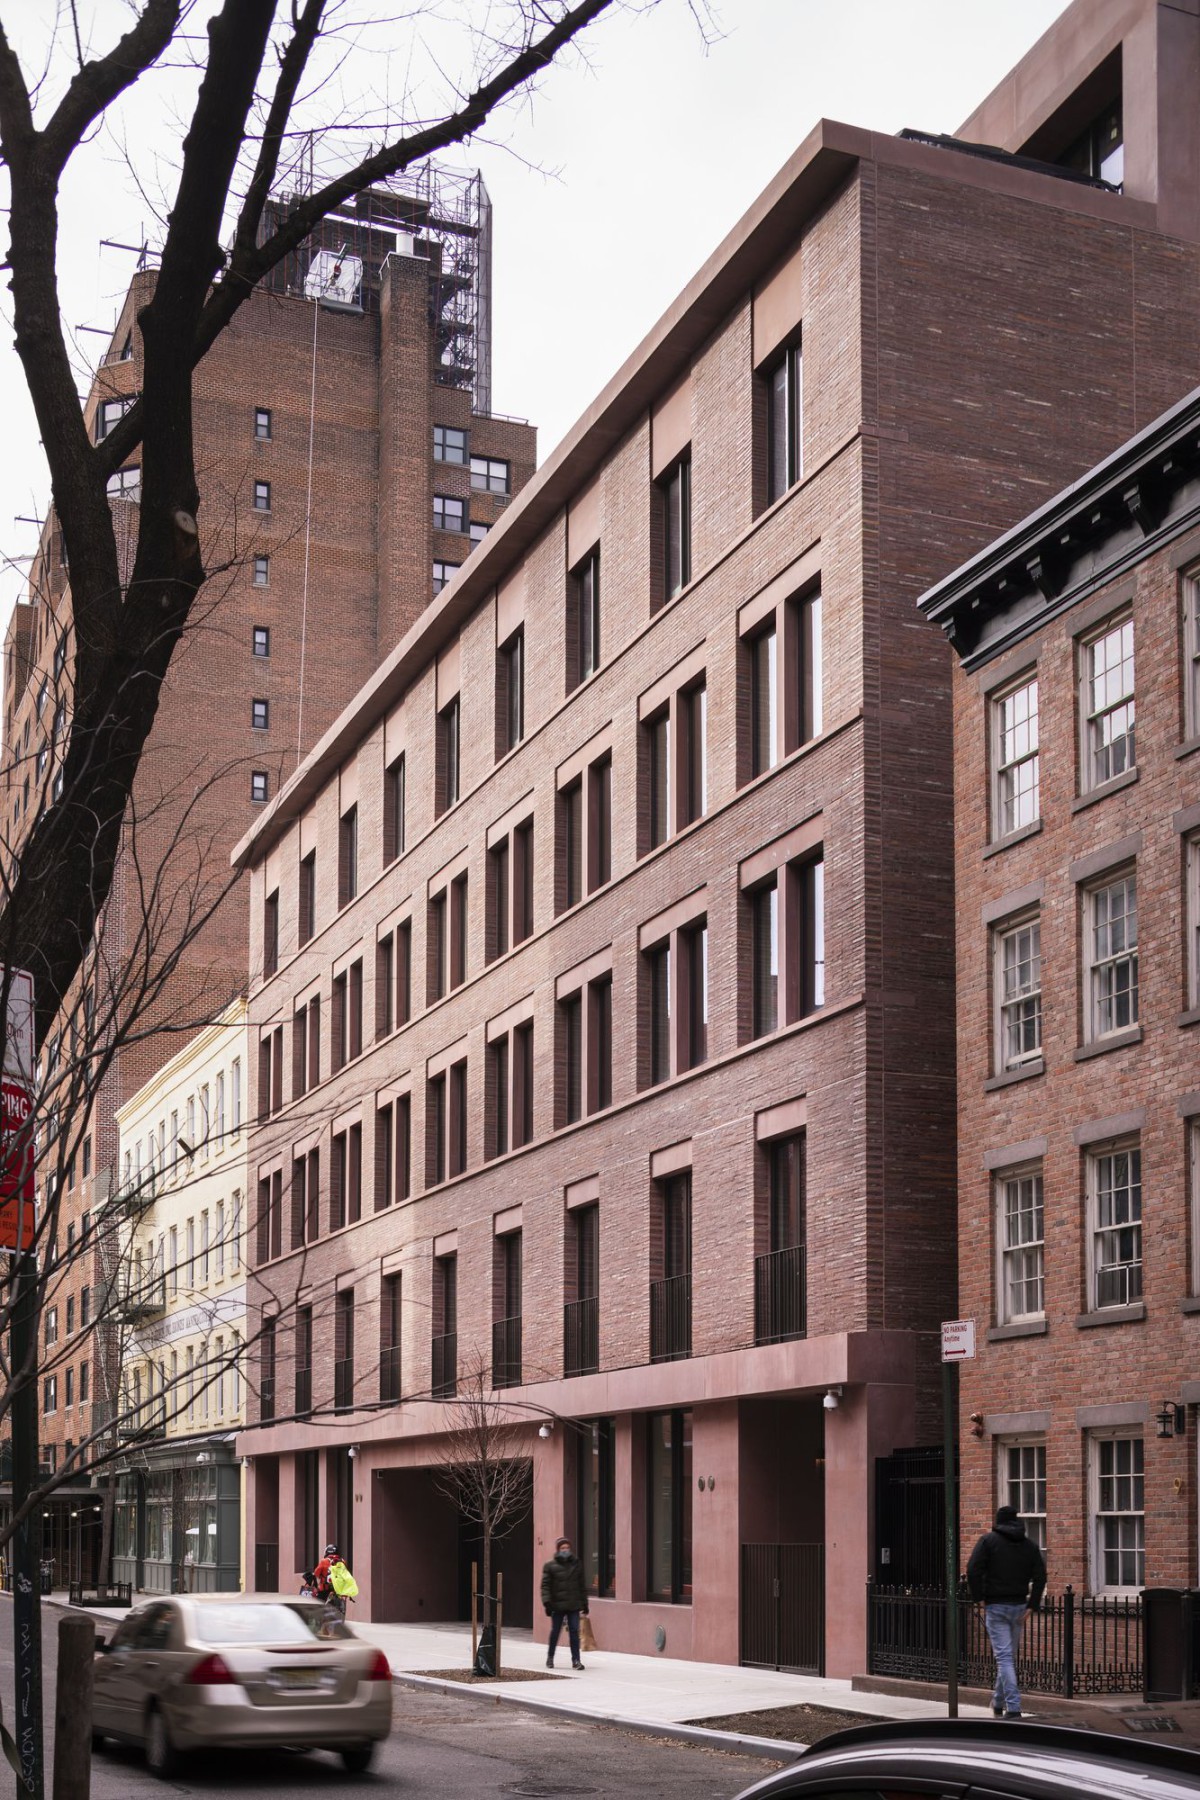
(439, 1746)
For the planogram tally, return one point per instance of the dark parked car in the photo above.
(191, 1674)
(965, 1759)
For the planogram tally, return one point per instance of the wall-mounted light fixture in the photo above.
(1172, 1419)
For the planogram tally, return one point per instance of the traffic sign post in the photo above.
(958, 1345)
(17, 1224)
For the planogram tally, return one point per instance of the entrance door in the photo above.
(783, 1607)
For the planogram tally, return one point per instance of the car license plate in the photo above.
(298, 1678)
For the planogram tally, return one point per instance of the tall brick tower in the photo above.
(348, 462)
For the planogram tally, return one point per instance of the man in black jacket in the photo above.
(564, 1596)
(1007, 1573)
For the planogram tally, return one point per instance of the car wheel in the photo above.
(161, 1755)
(357, 1758)
(98, 1741)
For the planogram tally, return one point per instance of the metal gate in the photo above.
(910, 1518)
(783, 1607)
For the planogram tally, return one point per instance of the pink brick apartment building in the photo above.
(603, 948)
(1077, 754)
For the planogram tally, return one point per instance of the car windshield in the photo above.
(250, 1625)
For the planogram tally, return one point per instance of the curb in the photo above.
(778, 1749)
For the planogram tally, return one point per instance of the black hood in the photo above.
(1014, 1529)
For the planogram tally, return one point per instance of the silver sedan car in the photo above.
(191, 1673)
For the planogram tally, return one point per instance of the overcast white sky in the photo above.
(646, 154)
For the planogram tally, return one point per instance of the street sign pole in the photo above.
(951, 1541)
(958, 1345)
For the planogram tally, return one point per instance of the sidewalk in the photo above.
(658, 1694)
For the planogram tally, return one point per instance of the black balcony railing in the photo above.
(445, 1366)
(581, 1336)
(266, 1397)
(506, 1352)
(389, 1374)
(303, 1390)
(779, 1297)
(1071, 1645)
(671, 1318)
(141, 1297)
(343, 1383)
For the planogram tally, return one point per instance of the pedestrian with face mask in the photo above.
(564, 1596)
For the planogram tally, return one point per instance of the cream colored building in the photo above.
(181, 1315)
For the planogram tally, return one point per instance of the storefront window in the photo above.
(597, 1503)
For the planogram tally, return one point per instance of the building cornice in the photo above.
(1133, 503)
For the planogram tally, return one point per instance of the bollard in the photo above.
(73, 1709)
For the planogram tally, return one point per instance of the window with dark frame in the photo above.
(658, 971)
(596, 1496)
(783, 657)
(600, 1072)
(262, 423)
(449, 444)
(343, 1350)
(445, 1326)
(510, 692)
(389, 1339)
(393, 809)
(443, 575)
(304, 1360)
(764, 720)
(787, 945)
(783, 380)
(658, 753)
(507, 1301)
(489, 475)
(308, 897)
(581, 1307)
(262, 571)
(271, 933)
(583, 623)
(262, 496)
(675, 488)
(449, 514)
(262, 640)
(385, 985)
(266, 1377)
(499, 1096)
(260, 715)
(571, 1030)
(404, 972)
(448, 755)
(348, 857)
(669, 1495)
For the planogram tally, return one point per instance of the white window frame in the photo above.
(1191, 652)
(1022, 1172)
(1096, 1440)
(1192, 914)
(1096, 965)
(1022, 757)
(1010, 1493)
(1095, 711)
(125, 484)
(1095, 1156)
(1023, 1003)
(1194, 1190)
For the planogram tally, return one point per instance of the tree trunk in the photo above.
(486, 1526)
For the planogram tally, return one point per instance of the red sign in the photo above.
(16, 1166)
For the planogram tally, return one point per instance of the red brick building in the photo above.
(348, 463)
(1077, 801)
(603, 949)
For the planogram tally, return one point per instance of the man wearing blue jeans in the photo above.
(1007, 1573)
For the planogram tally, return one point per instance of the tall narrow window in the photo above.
(583, 625)
(764, 711)
(403, 1132)
(570, 803)
(304, 1360)
(581, 1311)
(343, 1350)
(1016, 785)
(694, 720)
(271, 933)
(522, 1085)
(1111, 944)
(266, 1386)
(764, 929)
(348, 857)
(671, 1291)
(456, 1149)
(676, 487)
(404, 972)
(658, 969)
(448, 755)
(1020, 1217)
(458, 931)
(506, 1326)
(1018, 974)
(658, 751)
(385, 1154)
(1114, 1183)
(597, 1502)
(1118, 1509)
(693, 949)
(522, 879)
(1023, 1485)
(498, 1055)
(669, 1493)
(600, 836)
(510, 691)
(389, 1340)
(600, 1078)
(1191, 654)
(439, 945)
(1108, 704)
(385, 985)
(499, 896)
(571, 1016)
(393, 810)
(445, 1326)
(308, 896)
(784, 381)
(1192, 916)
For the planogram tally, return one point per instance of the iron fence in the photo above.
(671, 1318)
(1071, 1645)
(779, 1313)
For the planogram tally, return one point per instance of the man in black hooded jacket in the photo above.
(1007, 1573)
(564, 1597)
